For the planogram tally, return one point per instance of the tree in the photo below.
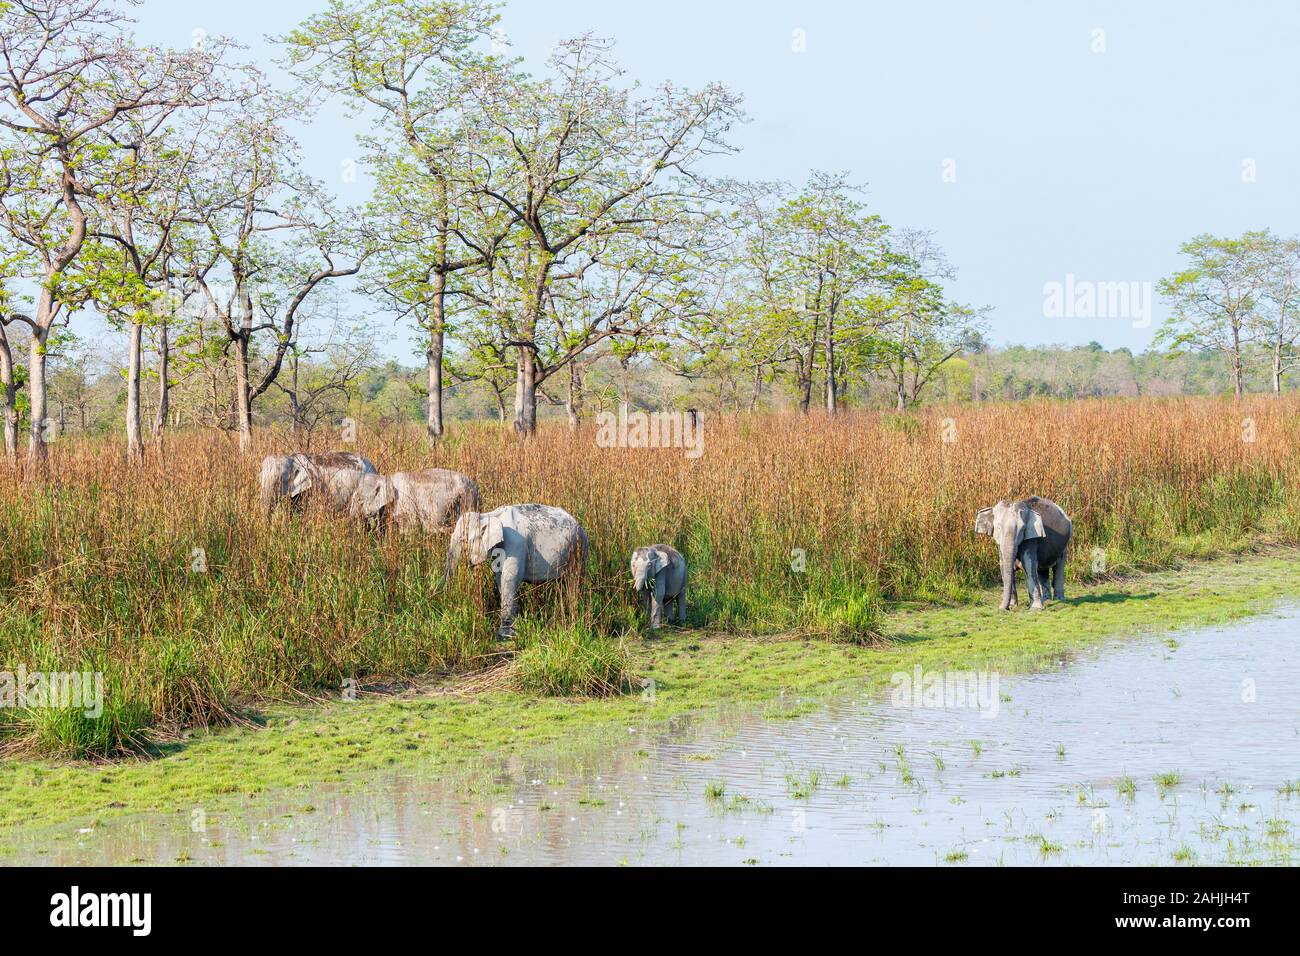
(319, 389)
(606, 195)
(410, 62)
(273, 237)
(1279, 305)
(922, 329)
(142, 200)
(68, 73)
(1216, 297)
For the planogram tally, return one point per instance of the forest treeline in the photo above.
(554, 239)
(88, 394)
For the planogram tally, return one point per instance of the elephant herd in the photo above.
(526, 543)
(531, 543)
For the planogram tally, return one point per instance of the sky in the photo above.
(1064, 142)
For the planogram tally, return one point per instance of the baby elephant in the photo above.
(659, 575)
(526, 543)
(431, 499)
(1033, 533)
(329, 477)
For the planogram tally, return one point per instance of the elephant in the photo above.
(527, 543)
(330, 477)
(1035, 533)
(659, 576)
(431, 499)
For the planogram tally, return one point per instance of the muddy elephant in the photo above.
(526, 544)
(432, 499)
(329, 477)
(659, 576)
(1034, 533)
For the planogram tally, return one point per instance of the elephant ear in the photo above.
(492, 534)
(984, 521)
(1031, 526)
(375, 493)
(301, 479)
(658, 560)
(387, 493)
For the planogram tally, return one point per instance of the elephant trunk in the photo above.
(1008, 551)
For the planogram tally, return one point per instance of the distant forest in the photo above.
(88, 393)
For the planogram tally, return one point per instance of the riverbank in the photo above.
(439, 729)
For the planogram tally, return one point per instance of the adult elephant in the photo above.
(1035, 533)
(330, 477)
(527, 543)
(432, 499)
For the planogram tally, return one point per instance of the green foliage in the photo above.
(569, 661)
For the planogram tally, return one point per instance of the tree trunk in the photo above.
(526, 393)
(134, 441)
(572, 404)
(805, 383)
(37, 452)
(1277, 368)
(1236, 361)
(437, 332)
(243, 406)
(832, 392)
(8, 398)
(433, 358)
(164, 388)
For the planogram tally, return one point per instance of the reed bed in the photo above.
(166, 579)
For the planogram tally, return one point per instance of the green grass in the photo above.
(435, 733)
(572, 661)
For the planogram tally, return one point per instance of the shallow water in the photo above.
(1056, 768)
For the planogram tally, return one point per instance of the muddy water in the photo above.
(1157, 750)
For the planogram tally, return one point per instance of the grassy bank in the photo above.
(165, 579)
(448, 726)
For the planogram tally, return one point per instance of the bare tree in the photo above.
(67, 71)
(273, 238)
(602, 187)
(410, 61)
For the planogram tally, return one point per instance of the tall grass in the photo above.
(168, 575)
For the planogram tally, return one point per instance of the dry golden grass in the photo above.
(95, 561)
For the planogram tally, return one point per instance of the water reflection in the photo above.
(1151, 751)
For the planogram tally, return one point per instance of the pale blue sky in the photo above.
(1067, 161)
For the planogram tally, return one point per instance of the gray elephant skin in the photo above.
(328, 477)
(659, 576)
(1034, 533)
(432, 499)
(527, 543)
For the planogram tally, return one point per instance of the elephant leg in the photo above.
(1058, 578)
(1035, 584)
(508, 589)
(681, 605)
(657, 605)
